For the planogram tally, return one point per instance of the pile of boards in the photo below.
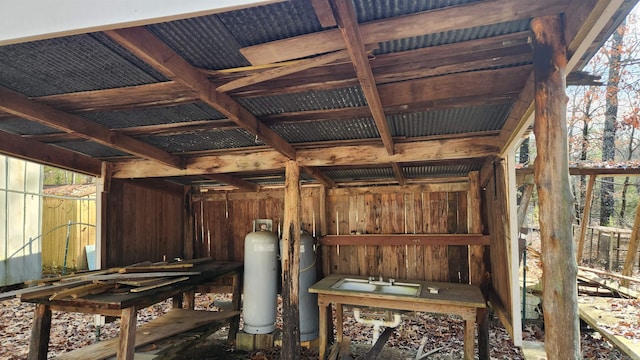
(133, 278)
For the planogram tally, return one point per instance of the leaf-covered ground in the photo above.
(74, 330)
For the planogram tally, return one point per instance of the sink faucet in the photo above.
(381, 280)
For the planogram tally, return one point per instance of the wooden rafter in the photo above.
(399, 174)
(27, 149)
(345, 14)
(152, 50)
(21, 106)
(356, 155)
(400, 27)
(234, 181)
(320, 176)
(275, 73)
(323, 11)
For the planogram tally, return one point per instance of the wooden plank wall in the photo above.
(56, 214)
(144, 222)
(222, 220)
(397, 210)
(496, 209)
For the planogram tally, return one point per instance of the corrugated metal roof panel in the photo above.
(153, 116)
(305, 101)
(203, 41)
(204, 140)
(370, 10)
(257, 25)
(91, 149)
(428, 171)
(327, 130)
(71, 64)
(20, 126)
(360, 174)
(451, 37)
(450, 121)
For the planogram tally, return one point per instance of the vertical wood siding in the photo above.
(143, 223)
(223, 220)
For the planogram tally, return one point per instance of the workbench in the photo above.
(125, 305)
(463, 300)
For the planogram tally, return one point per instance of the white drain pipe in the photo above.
(397, 319)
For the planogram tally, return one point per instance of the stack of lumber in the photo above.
(134, 278)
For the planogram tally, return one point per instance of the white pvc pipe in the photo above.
(397, 319)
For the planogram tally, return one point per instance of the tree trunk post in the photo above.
(291, 263)
(634, 242)
(584, 224)
(560, 293)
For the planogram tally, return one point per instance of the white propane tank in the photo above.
(260, 282)
(309, 313)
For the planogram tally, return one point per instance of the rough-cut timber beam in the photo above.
(21, 106)
(320, 176)
(152, 50)
(397, 171)
(345, 14)
(589, 171)
(361, 155)
(232, 180)
(31, 150)
(323, 11)
(275, 73)
(168, 93)
(430, 22)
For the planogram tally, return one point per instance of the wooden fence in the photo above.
(68, 225)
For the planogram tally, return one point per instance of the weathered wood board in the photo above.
(175, 322)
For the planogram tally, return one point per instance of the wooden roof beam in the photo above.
(345, 14)
(400, 27)
(23, 107)
(399, 174)
(234, 181)
(31, 150)
(320, 176)
(281, 71)
(323, 11)
(145, 45)
(346, 155)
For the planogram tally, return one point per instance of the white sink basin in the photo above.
(363, 285)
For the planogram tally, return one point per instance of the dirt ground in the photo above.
(73, 330)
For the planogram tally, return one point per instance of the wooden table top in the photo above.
(107, 302)
(449, 293)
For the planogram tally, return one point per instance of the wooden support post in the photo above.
(234, 324)
(189, 299)
(632, 250)
(482, 319)
(323, 329)
(103, 187)
(585, 217)
(476, 252)
(127, 341)
(291, 263)
(40, 332)
(560, 294)
(187, 225)
(339, 322)
(469, 344)
(524, 204)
